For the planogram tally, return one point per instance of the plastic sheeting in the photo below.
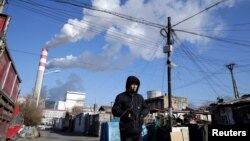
(29, 132)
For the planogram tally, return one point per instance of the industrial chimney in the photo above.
(39, 77)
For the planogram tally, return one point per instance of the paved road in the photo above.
(61, 136)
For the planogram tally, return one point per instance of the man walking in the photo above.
(131, 108)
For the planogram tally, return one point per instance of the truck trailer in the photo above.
(9, 82)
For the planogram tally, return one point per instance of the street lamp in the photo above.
(53, 71)
(46, 73)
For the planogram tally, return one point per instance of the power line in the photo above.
(214, 38)
(127, 17)
(122, 38)
(217, 3)
(199, 65)
(84, 5)
(94, 27)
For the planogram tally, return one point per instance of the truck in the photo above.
(16, 124)
(9, 83)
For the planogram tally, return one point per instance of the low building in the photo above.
(106, 109)
(161, 103)
(231, 112)
(90, 123)
(50, 114)
(82, 122)
(21, 99)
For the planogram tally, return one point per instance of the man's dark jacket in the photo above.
(131, 108)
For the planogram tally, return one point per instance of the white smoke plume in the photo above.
(109, 59)
(142, 41)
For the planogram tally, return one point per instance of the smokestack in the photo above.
(39, 77)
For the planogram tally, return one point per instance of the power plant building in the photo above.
(71, 100)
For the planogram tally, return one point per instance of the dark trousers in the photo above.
(131, 138)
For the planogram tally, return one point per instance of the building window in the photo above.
(179, 106)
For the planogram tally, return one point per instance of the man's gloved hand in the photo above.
(129, 112)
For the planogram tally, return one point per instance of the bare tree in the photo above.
(32, 114)
(77, 110)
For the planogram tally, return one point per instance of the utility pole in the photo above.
(2, 3)
(236, 93)
(111, 110)
(168, 49)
